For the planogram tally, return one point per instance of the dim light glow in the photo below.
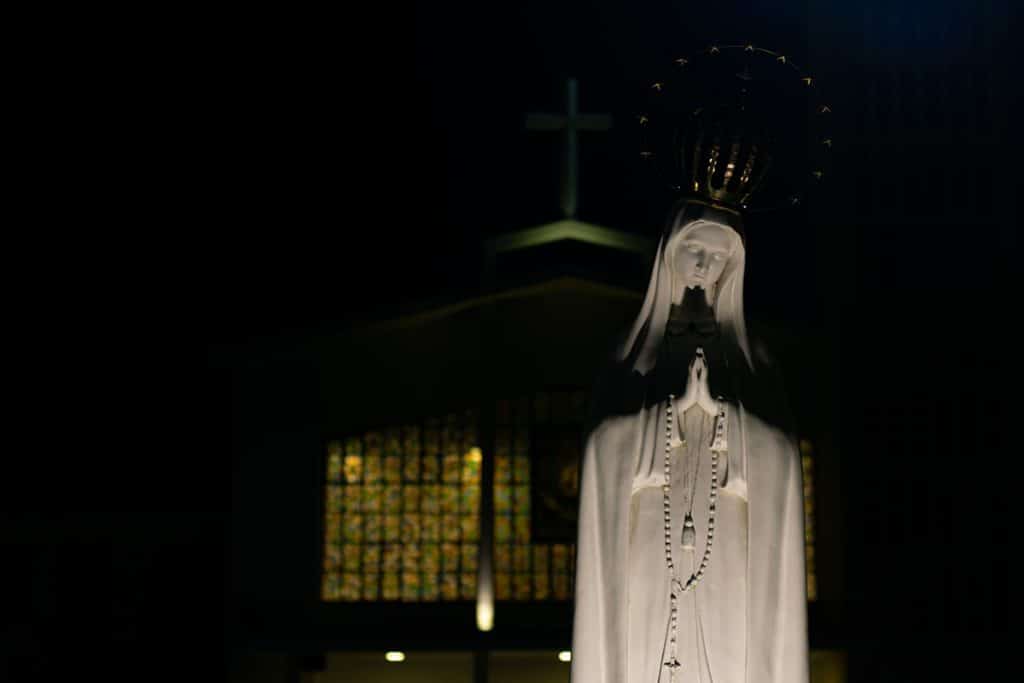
(484, 616)
(394, 656)
(484, 600)
(565, 656)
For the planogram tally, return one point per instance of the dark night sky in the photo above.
(409, 148)
(339, 168)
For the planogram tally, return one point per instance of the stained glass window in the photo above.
(527, 570)
(402, 513)
(807, 459)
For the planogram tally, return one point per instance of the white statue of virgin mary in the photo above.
(690, 549)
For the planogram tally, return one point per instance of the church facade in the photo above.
(439, 477)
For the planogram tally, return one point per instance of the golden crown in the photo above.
(737, 126)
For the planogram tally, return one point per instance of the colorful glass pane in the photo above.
(411, 527)
(431, 529)
(502, 469)
(389, 586)
(373, 469)
(350, 555)
(470, 528)
(392, 558)
(374, 443)
(503, 529)
(450, 528)
(371, 587)
(449, 557)
(371, 558)
(410, 586)
(450, 468)
(450, 499)
(334, 467)
(351, 586)
(521, 586)
(392, 527)
(521, 469)
(559, 558)
(430, 561)
(430, 468)
(431, 587)
(332, 557)
(392, 469)
(521, 499)
(541, 586)
(503, 586)
(521, 558)
(392, 499)
(373, 528)
(353, 528)
(411, 468)
(502, 499)
(353, 499)
(540, 558)
(450, 586)
(430, 499)
(331, 586)
(335, 498)
(469, 556)
(411, 557)
(353, 468)
(470, 500)
(471, 466)
(353, 446)
(333, 528)
(411, 494)
(561, 586)
(372, 499)
(521, 525)
(468, 584)
(503, 558)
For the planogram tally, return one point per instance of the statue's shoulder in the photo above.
(766, 440)
(614, 433)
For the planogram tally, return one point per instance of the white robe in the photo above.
(756, 576)
(773, 646)
(711, 616)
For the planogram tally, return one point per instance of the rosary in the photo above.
(677, 587)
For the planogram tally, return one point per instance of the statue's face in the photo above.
(701, 256)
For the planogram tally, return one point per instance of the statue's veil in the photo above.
(639, 349)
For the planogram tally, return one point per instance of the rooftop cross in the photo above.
(571, 123)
